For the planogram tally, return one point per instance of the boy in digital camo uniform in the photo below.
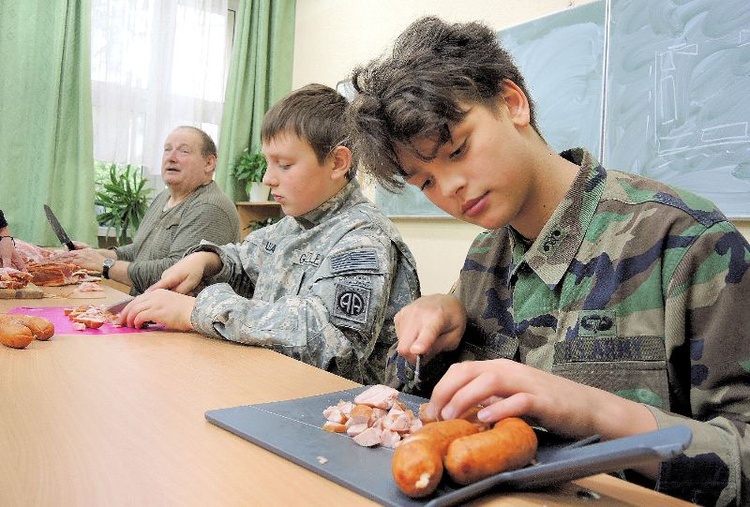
(598, 302)
(321, 285)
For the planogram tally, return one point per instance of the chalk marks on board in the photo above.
(678, 74)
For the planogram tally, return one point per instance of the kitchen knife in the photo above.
(117, 307)
(59, 231)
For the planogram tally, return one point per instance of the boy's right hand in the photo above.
(186, 274)
(430, 325)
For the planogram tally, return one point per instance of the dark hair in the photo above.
(208, 146)
(316, 114)
(414, 92)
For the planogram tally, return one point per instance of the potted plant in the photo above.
(250, 167)
(254, 225)
(122, 195)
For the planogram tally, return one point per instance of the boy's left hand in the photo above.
(507, 388)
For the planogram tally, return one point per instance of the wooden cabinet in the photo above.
(251, 213)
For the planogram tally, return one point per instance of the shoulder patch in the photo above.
(351, 303)
(356, 260)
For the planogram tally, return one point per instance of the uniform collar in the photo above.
(347, 196)
(550, 255)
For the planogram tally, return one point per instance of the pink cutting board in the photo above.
(63, 324)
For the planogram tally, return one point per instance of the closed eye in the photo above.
(458, 151)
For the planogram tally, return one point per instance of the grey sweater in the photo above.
(164, 236)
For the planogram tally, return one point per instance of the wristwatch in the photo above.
(108, 263)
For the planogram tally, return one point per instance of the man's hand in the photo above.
(9, 256)
(186, 274)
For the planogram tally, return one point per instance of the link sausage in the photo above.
(417, 464)
(510, 444)
(14, 334)
(41, 328)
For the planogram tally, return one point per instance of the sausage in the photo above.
(14, 334)
(417, 465)
(510, 444)
(41, 328)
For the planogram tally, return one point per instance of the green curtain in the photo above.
(46, 130)
(260, 73)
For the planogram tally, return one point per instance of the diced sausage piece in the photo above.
(369, 437)
(379, 395)
(333, 414)
(355, 429)
(360, 414)
(390, 439)
(334, 427)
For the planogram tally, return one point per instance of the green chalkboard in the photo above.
(677, 86)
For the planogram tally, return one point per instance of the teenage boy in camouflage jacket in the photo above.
(598, 302)
(321, 285)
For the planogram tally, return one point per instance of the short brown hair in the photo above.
(316, 114)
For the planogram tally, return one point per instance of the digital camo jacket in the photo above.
(638, 289)
(322, 288)
(164, 236)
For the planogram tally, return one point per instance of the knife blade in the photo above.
(117, 307)
(59, 231)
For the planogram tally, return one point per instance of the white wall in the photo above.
(333, 36)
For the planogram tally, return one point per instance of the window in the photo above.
(155, 65)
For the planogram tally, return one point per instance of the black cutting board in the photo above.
(294, 429)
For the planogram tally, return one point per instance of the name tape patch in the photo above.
(607, 349)
(308, 258)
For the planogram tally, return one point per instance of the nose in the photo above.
(450, 183)
(269, 178)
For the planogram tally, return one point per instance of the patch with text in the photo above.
(308, 258)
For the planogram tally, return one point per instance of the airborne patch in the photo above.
(351, 303)
(356, 260)
(597, 323)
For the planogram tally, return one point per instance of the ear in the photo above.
(517, 103)
(341, 161)
(210, 164)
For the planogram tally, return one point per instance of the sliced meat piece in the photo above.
(334, 427)
(378, 395)
(369, 437)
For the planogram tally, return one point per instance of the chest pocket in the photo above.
(633, 367)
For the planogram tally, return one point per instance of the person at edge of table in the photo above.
(192, 208)
(596, 302)
(9, 256)
(322, 284)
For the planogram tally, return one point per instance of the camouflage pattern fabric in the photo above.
(164, 236)
(635, 288)
(322, 288)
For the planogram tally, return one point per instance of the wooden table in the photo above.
(119, 420)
